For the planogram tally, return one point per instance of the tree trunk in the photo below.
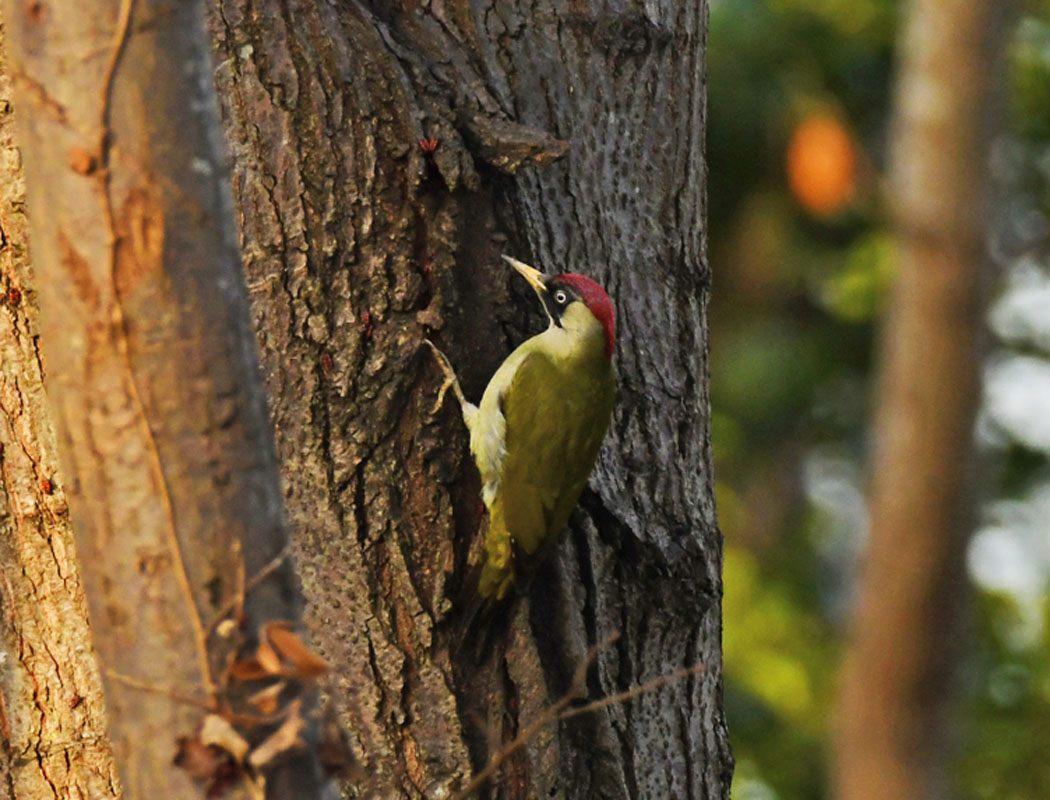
(152, 377)
(563, 134)
(52, 713)
(893, 728)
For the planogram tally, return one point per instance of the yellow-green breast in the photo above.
(536, 438)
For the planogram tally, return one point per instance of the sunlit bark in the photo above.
(151, 374)
(51, 711)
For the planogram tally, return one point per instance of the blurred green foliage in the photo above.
(1007, 710)
(796, 306)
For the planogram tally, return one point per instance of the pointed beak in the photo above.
(536, 280)
(530, 274)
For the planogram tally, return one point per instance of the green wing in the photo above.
(555, 422)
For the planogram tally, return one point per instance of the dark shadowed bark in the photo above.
(151, 371)
(894, 729)
(567, 134)
(52, 716)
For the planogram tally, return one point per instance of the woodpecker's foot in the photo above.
(450, 382)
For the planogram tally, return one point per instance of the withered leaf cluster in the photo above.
(259, 717)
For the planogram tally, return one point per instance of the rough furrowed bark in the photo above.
(152, 375)
(52, 712)
(384, 155)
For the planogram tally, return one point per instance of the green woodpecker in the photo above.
(536, 433)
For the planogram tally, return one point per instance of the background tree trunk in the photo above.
(152, 375)
(897, 676)
(52, 713)
(358, 244)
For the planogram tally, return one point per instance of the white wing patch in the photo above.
(488, 446)
(488, 429)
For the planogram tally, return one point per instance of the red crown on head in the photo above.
(595, 298)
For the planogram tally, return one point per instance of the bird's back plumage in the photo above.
(535, 438)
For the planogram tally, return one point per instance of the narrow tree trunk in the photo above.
(52, 713)
(359, 242)
(892, 717)
(152, 377)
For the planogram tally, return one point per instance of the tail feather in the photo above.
(497, 570)
(482, 619)
(489, 595)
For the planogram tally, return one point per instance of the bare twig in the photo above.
(629, 694)
(239, 718)
(44, 99)
(256, 786)
(120, 38)
(548, 716)
(167, 691)
(239, 590)
(560, 710)
(245, 587)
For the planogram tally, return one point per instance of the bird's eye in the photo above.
(560, 297)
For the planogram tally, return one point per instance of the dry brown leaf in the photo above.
(305, 662)
(282, 741)
(199, 760)
(266, 700)
(217, 731)
(267, 656)
(280, 653)
(208, 764)
(248, 669)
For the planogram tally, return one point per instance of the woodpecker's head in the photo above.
(573, 302)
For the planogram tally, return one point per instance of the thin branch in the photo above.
(41, 96)
(239, 590)
(630, 694)
(233, 717)
(548, 716)
(560, 711)
(120, 38)
(237, 601)
(256, 786)
(166, 691)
